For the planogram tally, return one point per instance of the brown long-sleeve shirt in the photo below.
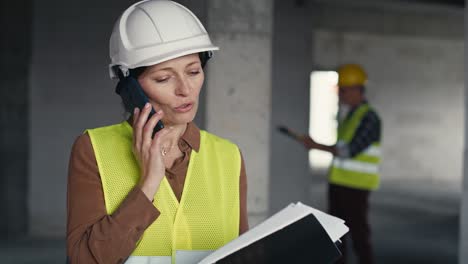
(93, 236)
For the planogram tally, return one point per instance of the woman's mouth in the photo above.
(184, 108)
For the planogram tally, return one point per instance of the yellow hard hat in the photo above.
(351, 75)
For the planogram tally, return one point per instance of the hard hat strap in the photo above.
(204, 57)
(123, 71)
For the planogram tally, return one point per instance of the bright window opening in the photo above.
(323, 111)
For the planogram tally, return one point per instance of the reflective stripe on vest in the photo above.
(182, 257)
(207, 216)
(352, 165)
(361, 171)
(148, 260)
(373, 151)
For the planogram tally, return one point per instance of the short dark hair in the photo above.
(135, 73)
(204, 57)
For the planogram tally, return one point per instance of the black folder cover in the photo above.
(304, 241)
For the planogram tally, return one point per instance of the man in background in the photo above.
(355, 168)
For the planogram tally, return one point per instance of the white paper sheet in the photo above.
(334, 227)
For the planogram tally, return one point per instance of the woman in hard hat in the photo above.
(145, 192)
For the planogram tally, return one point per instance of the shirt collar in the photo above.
(191, 136)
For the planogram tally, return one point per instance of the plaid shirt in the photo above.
(369, 131)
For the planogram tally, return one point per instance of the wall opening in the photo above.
(322, 117)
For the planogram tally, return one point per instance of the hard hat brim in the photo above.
(159, 59)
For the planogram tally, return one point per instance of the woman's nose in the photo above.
(183, 87)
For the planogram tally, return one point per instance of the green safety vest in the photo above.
(361, 171)
(207, 216)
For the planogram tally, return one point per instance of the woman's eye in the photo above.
(194, 72)
(162, 80)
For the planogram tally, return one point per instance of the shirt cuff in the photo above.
(136, 211)
(342, 150)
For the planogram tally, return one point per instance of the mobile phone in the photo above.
(133, 96)
(288, 132)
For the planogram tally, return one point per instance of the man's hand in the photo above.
(308, 142)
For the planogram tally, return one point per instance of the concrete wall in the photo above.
(70, 91)
(386, 17)
(15, 54)
(239, 88)
(463, 246)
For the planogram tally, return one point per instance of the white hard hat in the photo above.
(154, 31)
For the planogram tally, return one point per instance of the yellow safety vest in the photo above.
(361, 171)
(207, 216)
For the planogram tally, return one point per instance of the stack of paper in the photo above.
(292, 215)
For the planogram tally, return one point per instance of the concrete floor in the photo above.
(406, 229)
(33, 251)
(415, 228)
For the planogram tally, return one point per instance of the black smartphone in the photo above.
(288, 132)
(133, 96)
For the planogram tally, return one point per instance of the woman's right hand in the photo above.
(147, 150)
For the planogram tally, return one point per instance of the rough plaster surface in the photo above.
(463, 252)
(246, 16)
(389, 18)
(238, 106)
(239, 88)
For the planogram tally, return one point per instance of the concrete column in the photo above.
(292, 65)
(463, 246)
(238, 91)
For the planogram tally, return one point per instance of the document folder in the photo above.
(296, 234)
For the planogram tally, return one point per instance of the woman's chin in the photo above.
(180, 119)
